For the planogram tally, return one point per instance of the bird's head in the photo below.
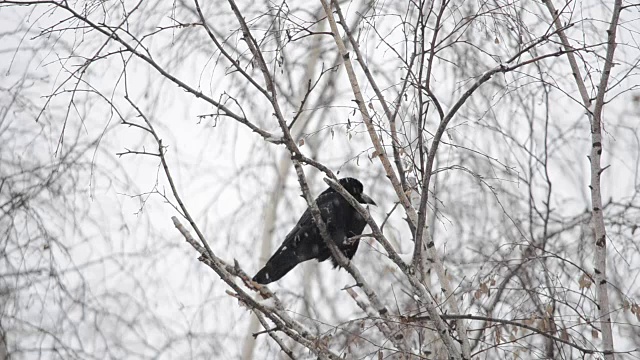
(355, 188)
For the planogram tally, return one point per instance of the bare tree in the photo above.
(499, 139)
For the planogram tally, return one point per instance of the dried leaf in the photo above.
(549, 310)
(584, 282)
(594, 333)
(301, 142)
(484, 288)
(542, 325)
(564, 335)
(497, 41)
(530, 321)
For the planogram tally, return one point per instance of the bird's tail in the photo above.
(277, 267)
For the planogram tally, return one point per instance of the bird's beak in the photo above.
(367, 200)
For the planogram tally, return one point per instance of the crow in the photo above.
(304, 241)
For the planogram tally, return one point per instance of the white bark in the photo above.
(594, 113)
(402, 196)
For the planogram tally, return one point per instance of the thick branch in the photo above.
(395, 143)
(380, 151)
(426, 298)
(595, 117)
(297, 160)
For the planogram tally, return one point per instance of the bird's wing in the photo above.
(333, 208)
(296, 248)
(305, 239)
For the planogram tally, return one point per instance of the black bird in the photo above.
(304, 241)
